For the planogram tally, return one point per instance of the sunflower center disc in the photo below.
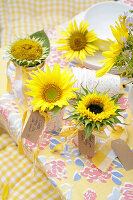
(95, 108)
(26, 49)
(52, 93)
(27, 46)
(77, 41)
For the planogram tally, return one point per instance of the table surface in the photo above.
(74, 176)
(2, 74)
(71, 173)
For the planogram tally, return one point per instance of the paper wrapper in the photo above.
(56, 123)
(36, 124)
(108, 82)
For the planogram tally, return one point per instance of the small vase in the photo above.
(130, 97)
(87, 146)
(56, 122)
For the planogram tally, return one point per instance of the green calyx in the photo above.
(30, 51)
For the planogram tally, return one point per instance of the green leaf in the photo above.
(74, 112)
(120, 110)
(87, 122)
(107, 91)
(80, 118)
(119, 115)
(98, 125)
(55, 110)
(114, 96)
(85, 90)
(111, 119)
(41, 35)
(72, 117)
(110, 124)
(88, 89)
(117, 120)
(104, 122)
(93, 125)
(78, 96)
(95, 90)
(74, 105)
(118, 96)
(80, 122)
(89, 128)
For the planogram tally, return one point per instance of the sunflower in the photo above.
(120, 32)
(124, 73)
(78, 42)
(96, 107)
(93, 109)
(50, 90)
(124, 85)
(28, 51)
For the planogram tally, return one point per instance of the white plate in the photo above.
(100, 17)
(92, 62)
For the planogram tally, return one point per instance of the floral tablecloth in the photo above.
(73, 175)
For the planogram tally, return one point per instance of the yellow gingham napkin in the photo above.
(16, 171)
(25, 17)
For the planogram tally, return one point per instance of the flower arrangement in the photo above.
(93, 110)
(78, 42)
(31, 50)
(120, 55)
(52, 90)
(25, 54)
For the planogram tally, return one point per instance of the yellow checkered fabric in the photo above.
(5, 140)
(35, 188)
(105, 155)
(24, 17)
(17, 171)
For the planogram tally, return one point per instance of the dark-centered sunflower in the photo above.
(93, 109)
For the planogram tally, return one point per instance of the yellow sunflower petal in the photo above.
(120, 32)
(62, 41)
(65, 33)
(108, 54)
(75, 55)
(106, 68)
(75, 26)
(64, 48)
(89, 51)
(69, 54)
(70, 28)
(84, 53)
(84, 27)
(81, 56)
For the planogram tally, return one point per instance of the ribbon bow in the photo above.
(104, 154)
